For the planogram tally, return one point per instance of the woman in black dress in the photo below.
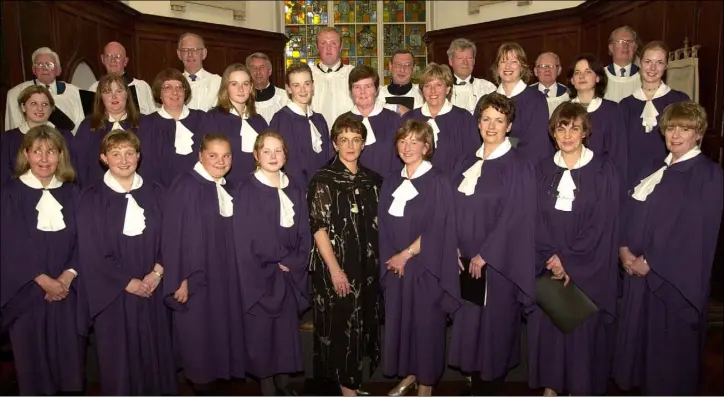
(342, 200)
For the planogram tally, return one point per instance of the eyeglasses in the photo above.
(354, 141)
(44, 65)
(622, 42)
(113, 57)
(187, 51)
(173, 88)
(546, 67)
(402, 66)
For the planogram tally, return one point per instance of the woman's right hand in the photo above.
(182, 293)
(54, 289)
(139, 288)
(341, 284)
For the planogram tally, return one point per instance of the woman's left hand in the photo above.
(283, 268)
(397, 263)
(640, 267)
(476, 266)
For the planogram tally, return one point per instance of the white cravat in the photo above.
(425, 110)
(24, 127)
(593, 106)
(566, 185)
(519, 87)
(406, 191)
(473, 173)
(134, 222)
(286, 207)
(247, 132)
(648, 116)
(226, 204)
(648, 184)
(366, 121)
(314, 132)
(117, 123)
(184, 138)
(50, 216)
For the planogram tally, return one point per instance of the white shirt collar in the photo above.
(472, 174)
(593, 106)
(200, 75)
(298, 110)
(460, 80)
(30, 180)
(333, 67)
(519, 87)
(377, 109)
(112, 183)
(226, 204)
(661, 91)
(236, 113)
(286, 207)
(586, 157)
(163, 113)
(134, 220)
(50, 214)
(421, 170)
(617, 69)
(446, 108)
(648, 184)
(24, 127)
(552, 90)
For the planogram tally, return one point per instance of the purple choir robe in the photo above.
(663, 315)
(158, 152)
(133, 334)
(85, 151)
(497, 222)
(197, 245)
(10, 142)
(272, 299)
(644, 147)
(302, 160)
(49, 353)
(608, 136)
(417, 304)
(530, 127)
(381, 156)
(585, 239)
(459, 137)
(229, 124)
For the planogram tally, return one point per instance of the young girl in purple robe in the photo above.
(202, 281)
(669, 241)
(418, 262)
(236, 118)
(578, 202)
(119, 227)
(38, 262)
(272, 242)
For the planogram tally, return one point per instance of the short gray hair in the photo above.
(187, 34)
(46, 51)
(258, 55)
(461, 45)
(553, 54)
(629, 29)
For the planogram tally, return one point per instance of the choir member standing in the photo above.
(547, 69)
(114, 59)
(272, 241)
(112, 110)
(235, 116)
(528, 134)
(171, 136)
(455, 133)
(576, 236)
(204, 85)
(202, 281)
(119, 228)
(642, 111)
(68, 111)
(331, 77)
(269, 99)
(38, 262)
(342, 199)
(623, 74)
(381, 124)
(669, 240)
(419, 273)
(608, 131)
(36, 104)
(495, 215)
(303, 129)
(467, 90)
(401, 95)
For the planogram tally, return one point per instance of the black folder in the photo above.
(567, 306)
(406, 101)
(472, 289)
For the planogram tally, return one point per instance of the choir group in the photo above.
(188, 223)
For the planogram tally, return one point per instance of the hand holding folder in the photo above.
(567, 306)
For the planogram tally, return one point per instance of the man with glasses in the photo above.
(467, 90)
(68, 112)
(204, 85)
(623, 73)
(547, 69)
(401, 95)
(115, 60)
(269, 99)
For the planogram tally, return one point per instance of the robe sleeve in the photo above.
(297, 260)
(684, 286)
(319, 202)
(151, 156)
(618, 148)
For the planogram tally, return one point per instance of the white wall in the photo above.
(448, 14)
(260, 15)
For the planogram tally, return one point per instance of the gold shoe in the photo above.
(307, 326)
(402, 390)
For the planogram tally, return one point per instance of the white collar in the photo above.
(32, 181)
(446, 108)
(500, 151)
(283, 179)
(333, 67)
(592, 106)
(111, 120)
(24, 127)
(199, 75)
(298, 110)
(519, 87)
(377, 109)
(199, 168)
(566, 186)
(134, 220)
(648, 184)
(617, 69)
(286, 206)
(112, 183)
(472, 174)
(226, 202)
(52, 87)
(460, 80)
(421, 170)
(236, 112)
(163, 113)
(661, 91)
(586, 157)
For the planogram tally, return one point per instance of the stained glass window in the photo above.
(372, 30)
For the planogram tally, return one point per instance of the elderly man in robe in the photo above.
(331, 77)
(68, 112)
(401, 95)
(269, 98)
(115, 60)
(467, 90)
(623, 73)
(204, 85)
(547, 69)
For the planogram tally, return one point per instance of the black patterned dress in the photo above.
(346, 330)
